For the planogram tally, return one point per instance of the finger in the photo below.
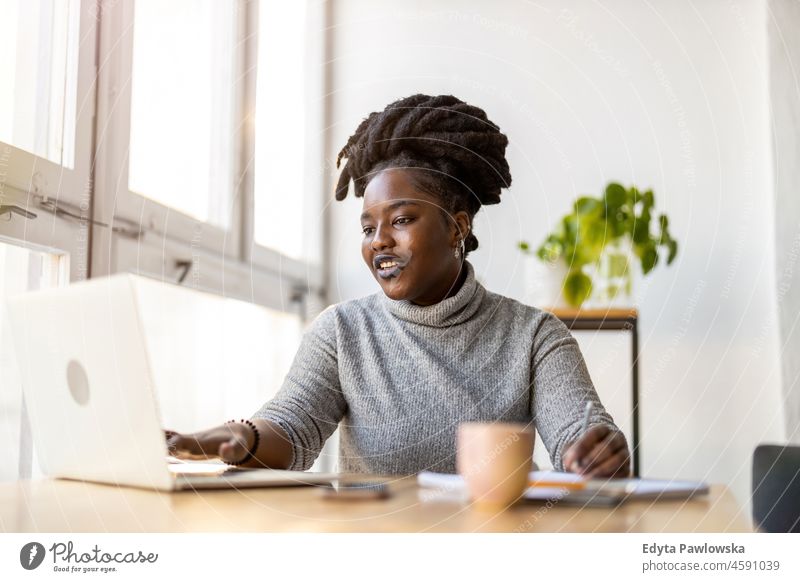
(574, 457)
(173, 441)
(231, 451)
(617, 465)
(570, 459)
(603, 450)
(192, 446)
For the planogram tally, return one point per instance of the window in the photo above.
(38, 44)
(206, 123)
(280, 129)
(170, 166)
(182, 91)
(47, 63)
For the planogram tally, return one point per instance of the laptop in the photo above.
(90, 397)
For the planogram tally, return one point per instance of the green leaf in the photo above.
(582, 235)
(648, 199)
(672, 245)
(649, 258)
(615, 197)
(641, 232)
(619, 224)
(570, 224)
(588, 205)
(593, 232)
(577, 287)
(551, 249)
(571, 239)
(645, 216)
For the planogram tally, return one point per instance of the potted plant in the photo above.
(598, 239)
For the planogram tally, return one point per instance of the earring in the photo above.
(456, 253)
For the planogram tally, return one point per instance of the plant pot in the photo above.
(612, 276)
(543, 282)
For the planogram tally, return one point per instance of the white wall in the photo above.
(784, 53)
(668, 95)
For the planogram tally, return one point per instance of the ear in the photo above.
(461, 226)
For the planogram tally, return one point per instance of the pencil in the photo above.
(587, 413)
(575, 485)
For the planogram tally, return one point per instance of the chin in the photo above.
(398, 293)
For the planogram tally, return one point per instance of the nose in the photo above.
(381, 239)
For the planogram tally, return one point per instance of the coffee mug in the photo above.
(494, 459)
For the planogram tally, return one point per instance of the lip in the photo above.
(391, 271)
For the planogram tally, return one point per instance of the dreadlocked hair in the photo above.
(449, 148)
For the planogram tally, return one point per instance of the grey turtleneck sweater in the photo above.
(398, 378)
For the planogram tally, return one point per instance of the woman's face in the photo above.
(408, 244)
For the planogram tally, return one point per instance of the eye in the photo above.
(403, 220)
(366, 230)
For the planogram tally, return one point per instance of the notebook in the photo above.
(570, 488)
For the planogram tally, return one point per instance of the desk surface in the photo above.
(71, 506)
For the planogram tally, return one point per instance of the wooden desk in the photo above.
(71, 506)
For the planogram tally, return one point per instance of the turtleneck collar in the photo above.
(451, 311)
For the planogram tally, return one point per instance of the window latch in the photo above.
(68, 211)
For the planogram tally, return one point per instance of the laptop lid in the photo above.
(87, 383)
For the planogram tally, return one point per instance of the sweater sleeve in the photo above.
(561, 388)
(310, 402)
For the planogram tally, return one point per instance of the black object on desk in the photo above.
(776, 488)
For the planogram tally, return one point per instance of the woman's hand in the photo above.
(600, 452)
(229, 442)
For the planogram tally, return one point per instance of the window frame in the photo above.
(114, 201)
(262, 257)
(86, 243)
(68, 241)
(43, 178)
(176, 237)
(31, 184)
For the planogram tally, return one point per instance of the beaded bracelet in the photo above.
(257, 438)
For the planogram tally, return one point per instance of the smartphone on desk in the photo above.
(355, 490)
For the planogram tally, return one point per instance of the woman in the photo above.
(397, 371)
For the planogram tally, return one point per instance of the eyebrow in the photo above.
(392, 206)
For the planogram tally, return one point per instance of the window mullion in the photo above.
(248, 21)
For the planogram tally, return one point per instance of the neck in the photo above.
(464, 297)
(452, 288)
(462, 275)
